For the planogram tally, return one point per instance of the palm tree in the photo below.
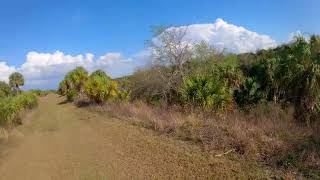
(76, 79)
(15, 80)
(305, 79)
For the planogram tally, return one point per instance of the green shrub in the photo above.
(71, 95)
(76, 79)
(11, 107)
(5, 89)
(124, 95)
(248, 94)
(206, 92)
(100, 88)
(100, 73)
(63, 87)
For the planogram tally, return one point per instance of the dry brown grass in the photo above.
(267, 134)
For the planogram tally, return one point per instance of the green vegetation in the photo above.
(98, 87)
(248, 94)
(11, 108)
(290, 73)
(5, 89)
(71, 95)
(13, 102)
(262, 106)
(201, 76)
(206, 92)
(74, 81)
(15, 81)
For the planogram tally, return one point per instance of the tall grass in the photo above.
(267, 134)
(12, 107)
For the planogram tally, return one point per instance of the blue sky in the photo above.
(98, 27)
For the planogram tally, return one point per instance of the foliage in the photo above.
(124, 95)
(5, 89)
(76, 79)
(206, 92)
(11, 107)
(15, 81)
(63, 87)
(201, 76)
(100, 73)
(71, 95)
(305, 79)
(289, 73)
(100, 87)
(73, 83)
(249, 93)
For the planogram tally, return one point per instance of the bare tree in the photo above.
(170, 52)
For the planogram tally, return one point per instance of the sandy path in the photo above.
(61, 141)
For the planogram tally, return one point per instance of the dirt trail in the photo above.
(61, 141)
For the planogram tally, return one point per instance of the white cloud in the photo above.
(227, 36)
(45, 70)
(5, 71)
(115, 64)
(40, 66)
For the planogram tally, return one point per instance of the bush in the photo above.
(71, 95)
(248, 94)
(63, 87)
(73, 81)
(206, 92)
(97, 87)
(124, 95)
(11, 107)
(5, 89)
(100, 88)
(76, 79)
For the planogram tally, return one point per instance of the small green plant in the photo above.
(206, 92)
(76, 79)
(71, 95)
(124, 95)
(100, 87)
(5, 89)
(11, 107)
(248, 94)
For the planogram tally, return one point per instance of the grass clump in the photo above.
(71, 95)
(12, 106)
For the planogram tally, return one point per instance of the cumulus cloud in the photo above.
(45, 70)
(223, 35)
(5, 71)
